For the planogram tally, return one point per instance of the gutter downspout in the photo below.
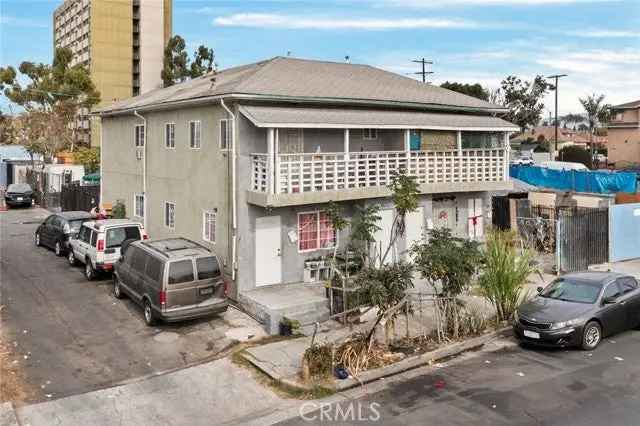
(144, 171)
(234, 200)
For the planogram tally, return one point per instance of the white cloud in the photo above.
(605, 34)
(22, 22)
(264, 20)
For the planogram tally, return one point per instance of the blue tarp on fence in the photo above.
(603, 182)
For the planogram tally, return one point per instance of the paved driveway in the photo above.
(70, 336)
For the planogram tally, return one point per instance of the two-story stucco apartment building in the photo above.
(244, 161)
(623, 132)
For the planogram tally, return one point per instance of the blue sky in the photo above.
(596, 42)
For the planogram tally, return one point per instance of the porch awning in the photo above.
(353, 118)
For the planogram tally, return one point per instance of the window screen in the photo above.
(207, 267)
(181, 272)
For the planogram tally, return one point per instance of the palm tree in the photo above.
(597, 113)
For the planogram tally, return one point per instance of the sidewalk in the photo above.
(214, 393)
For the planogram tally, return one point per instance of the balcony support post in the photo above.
(460, 162)
(346, 144)
(270, 160)
(507, 155)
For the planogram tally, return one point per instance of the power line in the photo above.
(424, 71)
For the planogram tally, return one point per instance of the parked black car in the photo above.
(19, 194)
(56, 230)
(579, 309)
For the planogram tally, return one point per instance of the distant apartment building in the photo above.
(624, 135)
(121, 42)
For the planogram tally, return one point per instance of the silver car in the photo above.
(173, 279)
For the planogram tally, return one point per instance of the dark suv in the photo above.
(58, 229)
(173, 279)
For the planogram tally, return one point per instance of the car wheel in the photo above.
(36, 239)
(591, 336)
(71, 258)
(89, 272)
(117, 290)
(149, 316)
(58, 249)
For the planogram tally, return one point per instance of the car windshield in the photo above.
(115, 236)
(74, 225)
(573, 291)
(18, 187)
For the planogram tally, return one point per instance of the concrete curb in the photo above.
(409, 363)
(8, 414)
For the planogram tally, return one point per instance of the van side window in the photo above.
(94, 238)
(82, 235)
(139, 260)
(207, 267)
(128, 255)
(181, 272)
(154, 269)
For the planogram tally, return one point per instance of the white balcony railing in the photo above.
(309, 172)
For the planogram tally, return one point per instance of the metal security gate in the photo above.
(80, 197)
(582, 239)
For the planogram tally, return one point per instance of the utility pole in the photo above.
(424, 71)
(556, 77)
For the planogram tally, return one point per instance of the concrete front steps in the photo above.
(305, 303)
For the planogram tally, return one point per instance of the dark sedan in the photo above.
(580, 309)
(56, 230)
(18, 194)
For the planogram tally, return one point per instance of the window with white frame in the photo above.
(170, 135)
(169, 214)
(226, 134)
(139, 135)
(138, 205)
(315, 231)
(369, 134)
(194, 134)
(209, 225)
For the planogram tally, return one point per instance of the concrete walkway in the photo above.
(214, 393)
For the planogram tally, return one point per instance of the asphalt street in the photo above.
(71, 336)
(512, 386)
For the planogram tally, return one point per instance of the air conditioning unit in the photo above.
(139, 154)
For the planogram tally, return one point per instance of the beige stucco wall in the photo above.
(194, 179)
(152, 43)
(624, 145)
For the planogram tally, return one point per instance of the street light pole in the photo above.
(556, 77)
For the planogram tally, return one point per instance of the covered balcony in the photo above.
(316, 155)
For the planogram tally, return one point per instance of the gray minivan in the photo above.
(172, 279)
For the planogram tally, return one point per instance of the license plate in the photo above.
(531, 334)
(19, 198)
(205, 291)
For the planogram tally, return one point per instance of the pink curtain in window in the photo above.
(327, 233)
(308, 231)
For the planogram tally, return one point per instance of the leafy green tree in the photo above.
(446, 261)
(363, 228)
(475, 90)
(524, 100)
(89, 158)
(51, 96)
(597, 113)
(574, 119)
(177, 66)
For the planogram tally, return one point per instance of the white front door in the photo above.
(291, 141)
(268, 250)
(383, 236)
(414, 227)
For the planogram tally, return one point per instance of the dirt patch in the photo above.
(12, 384)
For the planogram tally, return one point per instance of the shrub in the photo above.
(505, 273)
(318, 361)
(575, 154)
(119, 210)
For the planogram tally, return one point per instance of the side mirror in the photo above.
(540, 289)
(611, 300)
